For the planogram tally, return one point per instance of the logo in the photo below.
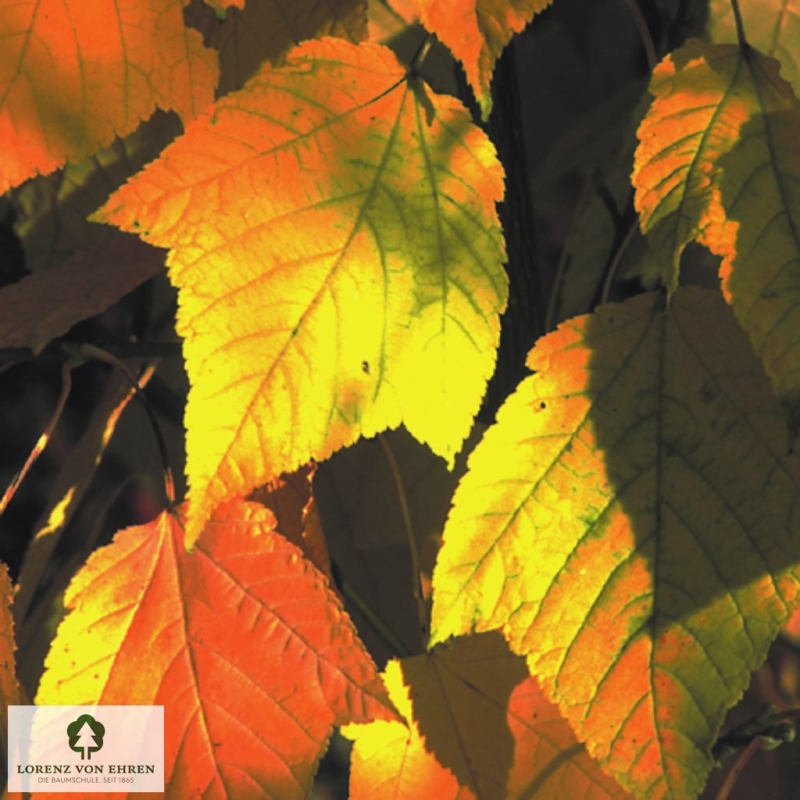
(85, 749)
(86, 735)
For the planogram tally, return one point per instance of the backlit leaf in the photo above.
(771, 26)
(719, 161)
(477, 32)
(241, 641)
(478, 726)
(361, 290)
(73, 75)
(632, 523)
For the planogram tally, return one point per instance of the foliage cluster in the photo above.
(567, 595)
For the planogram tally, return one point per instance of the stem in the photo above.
(38, 448)
(736, 769)
(108, 358)
(644, 34)
(614, 266)
(737, 15)
(412, 542)
(421, 54)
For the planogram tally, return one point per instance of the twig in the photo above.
(736, 769)
(614, 266)
(38, 448)
(644, 34)
(108, 358)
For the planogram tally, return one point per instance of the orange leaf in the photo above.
(74, 74)
(478, 726)
(241, 641)
(719, 162)
(362, 290)
(42, 306)
(641, 545)
(477, 31)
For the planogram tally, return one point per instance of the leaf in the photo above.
(477, 727)
(640, 547)
(74, 75)
(264, 30)
(43, 306)
(291, 500)
(477, 32)
(719, 161)
(222, 637)
(361, 291)
(773, 27)
(361, 504)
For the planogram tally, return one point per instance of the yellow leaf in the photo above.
(719, 162)
(361, 290)
(632, 523)
(478, 726)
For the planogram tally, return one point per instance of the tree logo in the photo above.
(86, 735)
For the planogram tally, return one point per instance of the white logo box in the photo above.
(86, 749)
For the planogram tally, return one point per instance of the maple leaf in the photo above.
(361, 290)
(475, 31)
(719, 162)
(223, 638)
(477, 726)
(73, 75)
(640, 546)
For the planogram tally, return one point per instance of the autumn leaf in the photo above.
(476, 32)
(222, 638)
(43, 306)
(477, 726)
(73, 75)
(361, 291)
(719, 162)
(632, 524)
(771, 26)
